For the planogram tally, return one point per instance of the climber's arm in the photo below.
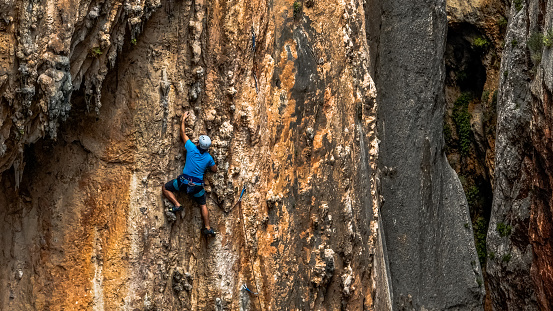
(213, 168)
(182, 132)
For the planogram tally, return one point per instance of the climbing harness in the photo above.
(187, 180)
(244, 287)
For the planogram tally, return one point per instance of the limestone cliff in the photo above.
(291, 93)
(520, 230)
(425, 210)
(284, 90)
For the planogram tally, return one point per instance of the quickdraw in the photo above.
(244, 287)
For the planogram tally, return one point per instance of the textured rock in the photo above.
(50, 48)
(285, 90)
(473, 53)
(432, 260)
(298, 131)
(474, 47)
(520, 226)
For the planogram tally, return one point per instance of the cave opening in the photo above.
(464, 51)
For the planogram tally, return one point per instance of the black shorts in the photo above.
(196, 192)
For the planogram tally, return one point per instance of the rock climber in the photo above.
(198, 160)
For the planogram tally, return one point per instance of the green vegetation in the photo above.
(480, 230)
(297, 9)
(473, 196)
(480, 43)
(548, 38)
(505, 74)
(461, 118)
(514, 43)
(491, 255)
(485, 96)
(506, 257)
(479, 281)
(95, 51)
(503, 229)
(133, 41)
(518, 4)
(535, 45)
(490, 114)
(467, 226)
(502, 22)
(494, 99)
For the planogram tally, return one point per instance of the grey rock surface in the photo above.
(519, 236)
(431, 252)
(508, 269)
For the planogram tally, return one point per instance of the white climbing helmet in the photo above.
(205, 142)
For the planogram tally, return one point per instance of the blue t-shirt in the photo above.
(196, 162)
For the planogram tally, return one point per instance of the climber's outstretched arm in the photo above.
(182, 132)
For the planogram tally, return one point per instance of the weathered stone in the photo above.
(294, 119)
(520, 226)
(425, 205)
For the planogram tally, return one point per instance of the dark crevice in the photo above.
(467, 59)
(464, 66)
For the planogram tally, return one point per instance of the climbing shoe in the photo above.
(175, 209)
(208, 232)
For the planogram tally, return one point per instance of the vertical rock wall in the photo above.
(284, 90)
(429, 239)
(520, 228)
(48, 50)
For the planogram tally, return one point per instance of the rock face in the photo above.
(425, 211)
(49, 49)
(520, 228)
(284, 90)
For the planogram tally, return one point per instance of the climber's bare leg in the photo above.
(170, 195)
(205, 215)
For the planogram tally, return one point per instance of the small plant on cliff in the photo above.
(95, 52)
(473, 196)
(494, 99)
(506, 257)
(485, 97)
(548, 38)
(480, 43)
(133, 41)
(502, 22)
(518, 4)
(297, 9)
(480, 227)
(535, 45)
(461, 117)
(503, 229)
(514, 43)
